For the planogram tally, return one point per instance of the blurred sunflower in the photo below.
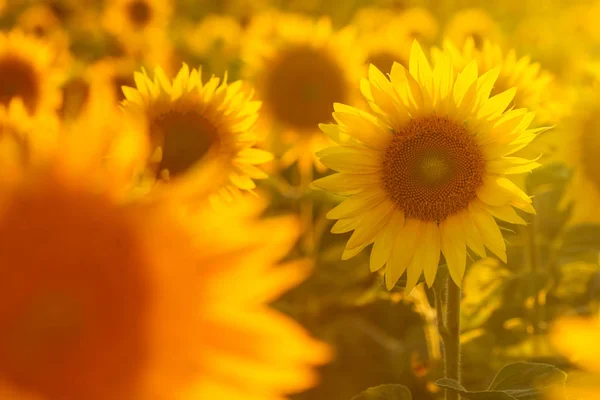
(579, 147)
(111, 318)
(216, 41)
(475, 23)
(389, 41)
(531, 81)
(126, 18)
(426, 170)
(27, 71)
(41, 21)
(140, 26)
(300, 67)
(195, 127)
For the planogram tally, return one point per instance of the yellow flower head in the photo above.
(216, 40)
(472, 23)
(136, 17)
(129, 302)
(140, 26)
(195, 127)
(27, 72)
(531, 81)
(301, 67)
(425, 171)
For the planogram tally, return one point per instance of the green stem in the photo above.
(534, 263)
(451, 336)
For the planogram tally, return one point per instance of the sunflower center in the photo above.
(140, 12)
(590, 149)
(383, 60)
(432, 168)
(185, 138)
(73, 313)
(302, 85)
(18, 79)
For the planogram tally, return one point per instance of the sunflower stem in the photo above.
(451, 336)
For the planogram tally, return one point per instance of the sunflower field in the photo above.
(299, 200)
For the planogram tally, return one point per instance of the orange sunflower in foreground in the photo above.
(128, 302)
(426, 170)
(195, 127)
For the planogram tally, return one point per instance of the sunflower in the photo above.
(140, 26)
(216, 41)
(136, 17)
(389, 40)
(150, 308)
(195, 127)
(578, 148)
(300, 67)
(27, 72)
(475, 23)
(426, 169)
(531, 81)
(41, 21)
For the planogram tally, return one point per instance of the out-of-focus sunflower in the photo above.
(426, 170)
(579, 147)
(141, 28)
(41, 21)
(127, 18)
(475, 23)
(196, 127)
(216, 41)
(131, 302)
(301, 66)
(389, 41)
(531, 81)
(27, 71)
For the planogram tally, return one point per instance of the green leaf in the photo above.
(385, 392)
(529, 381)
(484, 395)
(518, 381)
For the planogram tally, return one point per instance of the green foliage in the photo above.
(385, 392)
(518, 381)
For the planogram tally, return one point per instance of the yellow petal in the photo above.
(373, 222)
(356, 204)
(489, 230)
(454, 247)
(382, 248)
(403, 251)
